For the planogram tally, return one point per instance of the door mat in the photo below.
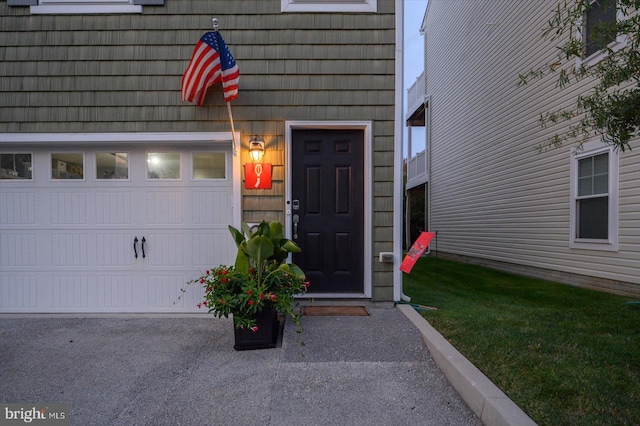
(335, 311)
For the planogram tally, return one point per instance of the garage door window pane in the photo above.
(163, 165)
(15, 166)
(112, 165)
(67, 165)
(209, 165)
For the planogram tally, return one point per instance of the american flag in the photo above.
(211, 63)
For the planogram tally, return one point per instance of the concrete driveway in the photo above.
(372, 370)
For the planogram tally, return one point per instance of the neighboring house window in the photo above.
(594, 198)
(85, 6)
(329, 5)
(600, 14)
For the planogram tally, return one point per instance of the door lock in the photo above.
(296, 219)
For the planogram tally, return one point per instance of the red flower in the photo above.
(306, 284)
(261, 296)
(249, 292)
(204, 303)
(250, 302)
(254, 328)
(199, 305)
(273, 297)
(206, 272)
(201, 280)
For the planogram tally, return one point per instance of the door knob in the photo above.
(296, 219)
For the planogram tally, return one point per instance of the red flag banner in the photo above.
(416, 251)
(211, 63)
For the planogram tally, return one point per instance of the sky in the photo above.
(413, 63)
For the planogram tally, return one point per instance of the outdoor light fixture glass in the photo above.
(256, 149)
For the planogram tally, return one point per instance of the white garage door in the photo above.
(111, 230)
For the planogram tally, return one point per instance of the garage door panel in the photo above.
(18, 250)
(163, 291)
(17, 208)
(69, 249)
(113, 208)
(210, 207)
(165, 208)
(18, 291)
(115, 292)
(213, 247)
(114, 250)
(69, 292)
(164, 249)
(68, 208)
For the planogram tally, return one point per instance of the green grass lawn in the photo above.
(565, 355)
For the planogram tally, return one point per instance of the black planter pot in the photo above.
(266, 336)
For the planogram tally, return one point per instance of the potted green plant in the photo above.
(257, 287)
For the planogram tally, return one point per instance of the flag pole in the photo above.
(233, 127)
(233, 130)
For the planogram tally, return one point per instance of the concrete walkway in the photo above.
(371, 370)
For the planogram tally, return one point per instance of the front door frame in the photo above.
(366, 127)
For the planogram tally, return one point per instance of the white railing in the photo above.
(417, 170)
(415, 95)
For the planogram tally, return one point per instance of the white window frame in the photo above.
(226, 165)
(33, 169)
(364, 6)
(367, 128)
(591, 149)
(111, 181)
(64, 181)
(619, 43)
(85, 7)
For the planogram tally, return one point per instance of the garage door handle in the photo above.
(135, 248)
(143, 240)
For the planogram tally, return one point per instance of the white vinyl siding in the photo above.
(492, 195)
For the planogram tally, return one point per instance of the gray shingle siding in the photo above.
(122, 73)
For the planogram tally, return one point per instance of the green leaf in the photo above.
(237, 235)
(275, 229)
(293, 269)
(242, 260)
(290, 246)
(259, 248)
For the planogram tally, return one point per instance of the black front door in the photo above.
(328, 206)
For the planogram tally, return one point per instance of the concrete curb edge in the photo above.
(483, 397)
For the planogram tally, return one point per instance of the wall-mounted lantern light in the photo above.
(257, 174)
(256, 149)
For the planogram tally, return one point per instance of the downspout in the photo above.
(398, 184)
